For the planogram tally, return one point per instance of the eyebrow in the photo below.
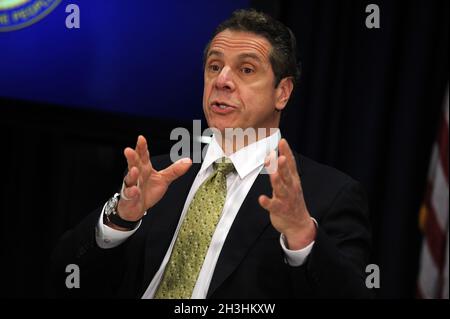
(215, 52)
(241, 56)
(254, 56)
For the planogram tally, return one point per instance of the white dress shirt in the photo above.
(248, 162)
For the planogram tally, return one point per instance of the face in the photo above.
(239, 89)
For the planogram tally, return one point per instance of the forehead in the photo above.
(241, 42)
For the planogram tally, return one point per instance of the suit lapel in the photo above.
(248, 225)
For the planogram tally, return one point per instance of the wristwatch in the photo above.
(113, 216)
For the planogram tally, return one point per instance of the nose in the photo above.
(224, 80)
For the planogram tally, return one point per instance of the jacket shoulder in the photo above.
(323, 184)
(310, 167)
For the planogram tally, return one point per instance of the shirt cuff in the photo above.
(107, 237)
(296, 258)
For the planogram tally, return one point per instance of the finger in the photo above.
(132, 177)
(265, 202)
(177, 169)
(284, 171)
(129, 206)
(132, 193)
(132, 158)
(278, 186)
(142, 150)
(292, 164)
(144, 156)
(285, 150)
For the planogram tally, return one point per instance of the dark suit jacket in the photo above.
(251, 263)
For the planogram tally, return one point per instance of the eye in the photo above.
(247, 70)
(214, 67)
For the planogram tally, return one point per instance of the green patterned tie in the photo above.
(195, 235)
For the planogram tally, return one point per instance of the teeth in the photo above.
(222, 106)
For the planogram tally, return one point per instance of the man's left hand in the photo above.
(287, 208)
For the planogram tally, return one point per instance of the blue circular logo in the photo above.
(18, 14)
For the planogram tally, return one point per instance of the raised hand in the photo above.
(288, 212)
(145, 186)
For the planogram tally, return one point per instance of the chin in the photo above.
(219, 127)
(219, 123)
(222, 124)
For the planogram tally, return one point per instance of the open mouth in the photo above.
(221, 107)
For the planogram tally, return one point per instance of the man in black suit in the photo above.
(310, 239)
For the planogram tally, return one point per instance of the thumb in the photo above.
(177, 169)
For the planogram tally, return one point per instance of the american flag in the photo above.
(433, 274)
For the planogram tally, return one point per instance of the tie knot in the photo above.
(224, 166)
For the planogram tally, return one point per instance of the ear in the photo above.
(283, 92)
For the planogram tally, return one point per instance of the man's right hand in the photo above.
(152, 184)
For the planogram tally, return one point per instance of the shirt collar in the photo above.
(247, 158)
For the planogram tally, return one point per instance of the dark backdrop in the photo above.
(367, 103)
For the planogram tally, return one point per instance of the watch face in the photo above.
(111, 206)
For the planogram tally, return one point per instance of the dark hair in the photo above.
(283, 54)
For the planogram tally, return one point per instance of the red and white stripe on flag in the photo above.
(433, 273)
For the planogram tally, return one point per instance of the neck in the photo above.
(233, 139)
